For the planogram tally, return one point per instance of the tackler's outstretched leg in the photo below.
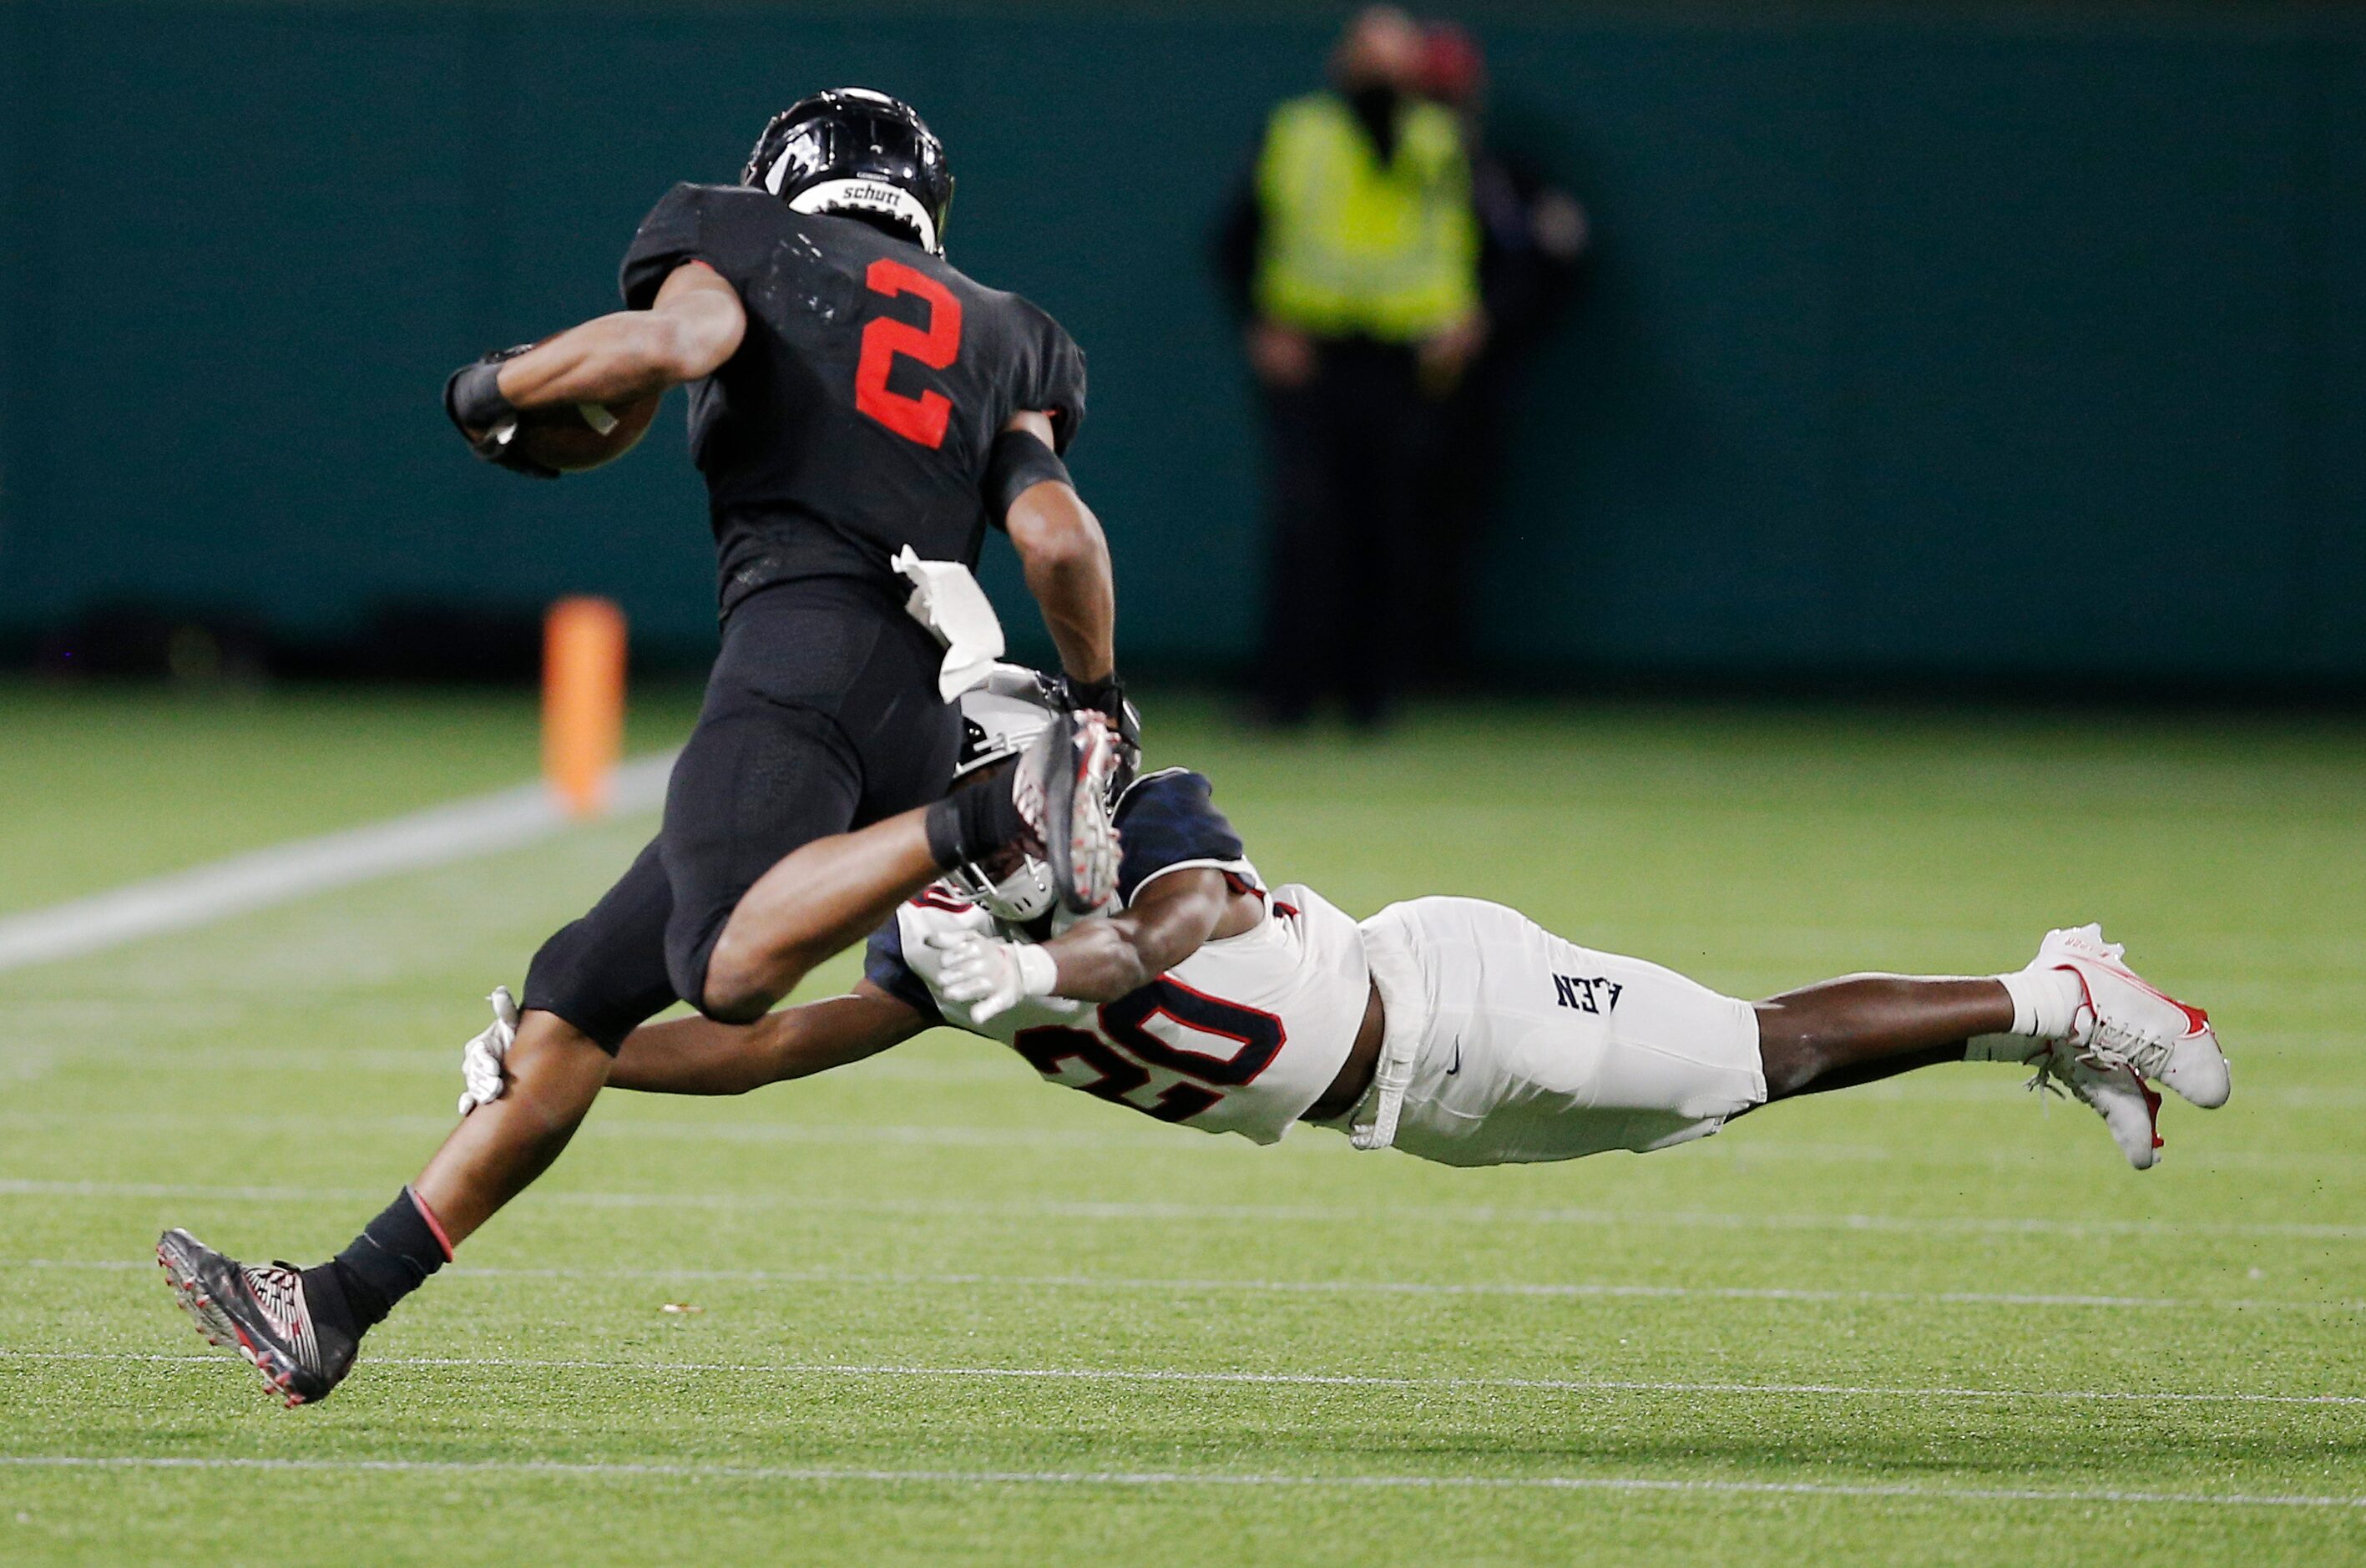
(2077, 1013)
(1867, 1027)
(1863, 1028)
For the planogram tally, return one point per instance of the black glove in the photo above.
(1106, 696)
(485, 419)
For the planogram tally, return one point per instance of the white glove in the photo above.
(989, 976)
(482, 1058)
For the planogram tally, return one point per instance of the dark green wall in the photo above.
(1977, 345)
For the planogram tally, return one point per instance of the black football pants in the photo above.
(1348, 451)
(821, 716)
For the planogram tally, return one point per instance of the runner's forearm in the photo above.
(695, 325)
(612, 359)
(1066, 562)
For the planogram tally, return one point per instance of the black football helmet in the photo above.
(862, 155)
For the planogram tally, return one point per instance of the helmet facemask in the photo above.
(1002, 715)
(1021, 897)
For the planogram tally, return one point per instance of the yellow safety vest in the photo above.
(1352, 247)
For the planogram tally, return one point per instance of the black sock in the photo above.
(324, 1296)
(391, 1258)
(970, 824)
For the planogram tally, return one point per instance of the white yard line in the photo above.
(79, 1018)
(1574, 1291)
(1050, 1140)
(1263, 1213)
(1286, 1380)
(483, 825)
(80, 1015)
(825, 1475)
(1122, 1135)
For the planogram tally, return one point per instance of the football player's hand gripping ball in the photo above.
(485, 419)
(541, 443)
(990, 977)
(482, 1058)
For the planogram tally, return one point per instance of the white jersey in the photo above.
(1241, 1037)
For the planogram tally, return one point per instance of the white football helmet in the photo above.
(1001, 716)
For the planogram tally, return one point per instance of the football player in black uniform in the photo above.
(852, 399)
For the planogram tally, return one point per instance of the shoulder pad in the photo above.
(1169, 818)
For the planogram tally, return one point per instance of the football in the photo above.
(572, 437)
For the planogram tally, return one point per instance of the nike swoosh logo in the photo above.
(2196, 1021)
(1458, 1057)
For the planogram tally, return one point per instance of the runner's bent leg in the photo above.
(820, 899)
(782, 843)
(596, 981)
(757, 783)
(498, 1150)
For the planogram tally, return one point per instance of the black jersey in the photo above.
(858, 413)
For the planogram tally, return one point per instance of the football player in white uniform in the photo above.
(1456, 1029)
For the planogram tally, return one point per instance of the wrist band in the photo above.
(1106, 695)
(473, 396)
(1039, 972)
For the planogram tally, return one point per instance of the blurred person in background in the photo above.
(1533, 236)
(1351, 252)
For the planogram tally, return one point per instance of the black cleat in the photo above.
(1063, 789)
(259, 1313)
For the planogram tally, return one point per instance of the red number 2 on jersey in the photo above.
(920, 418)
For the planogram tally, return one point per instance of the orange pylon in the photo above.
(582, 700)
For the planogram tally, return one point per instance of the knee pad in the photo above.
(603, 993)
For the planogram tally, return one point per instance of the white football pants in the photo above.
(1533, 1048)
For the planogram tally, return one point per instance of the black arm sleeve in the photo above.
(1019, 461)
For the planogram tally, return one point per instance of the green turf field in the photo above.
(946, 1312)
(101, 784)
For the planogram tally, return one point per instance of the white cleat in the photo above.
(2130, 1110)
(2126, 1023)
